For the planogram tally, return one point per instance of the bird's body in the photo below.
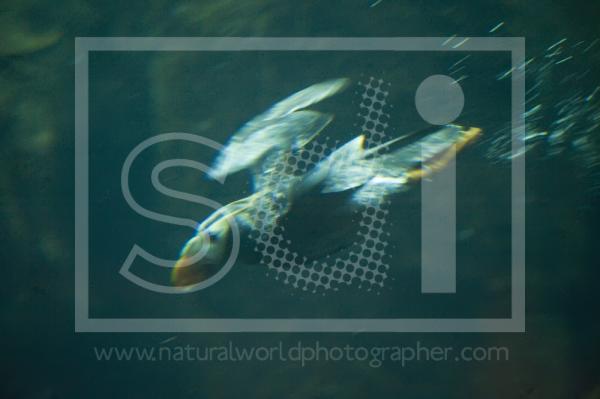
(316, 212)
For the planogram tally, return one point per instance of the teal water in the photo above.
(136, 95)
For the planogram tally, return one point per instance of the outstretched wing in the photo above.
(424, 156)
(352, 176)
(302, 99)
(389, 167)
(283, 126)
(284, 133)
(392, 171)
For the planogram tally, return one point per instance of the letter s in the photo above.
(137, 250)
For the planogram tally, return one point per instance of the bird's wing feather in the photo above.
(283, 126)
(304, 98)
(394, 170)
(387, 168)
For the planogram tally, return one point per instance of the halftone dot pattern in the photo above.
(372, 110)
(363, 264)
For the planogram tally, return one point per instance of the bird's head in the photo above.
(203, 255)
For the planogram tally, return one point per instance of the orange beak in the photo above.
(185, 274)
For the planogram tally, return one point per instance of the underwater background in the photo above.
(136, 95)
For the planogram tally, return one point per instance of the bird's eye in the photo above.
(213, 236)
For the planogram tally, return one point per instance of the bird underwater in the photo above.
(330, 194)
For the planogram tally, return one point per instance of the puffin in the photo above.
(316, 211)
